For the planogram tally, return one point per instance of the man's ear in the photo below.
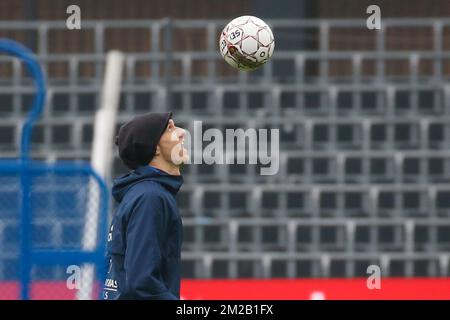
(158, 151)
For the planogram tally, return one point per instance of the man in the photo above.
(144, 240)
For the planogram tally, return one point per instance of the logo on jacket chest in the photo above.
(111, 284)
(110, 233)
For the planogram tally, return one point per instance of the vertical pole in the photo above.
(168, 49)
(25, 228)
(101, 161)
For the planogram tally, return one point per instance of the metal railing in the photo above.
(23, 199)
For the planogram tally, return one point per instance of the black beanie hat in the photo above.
(138, 138)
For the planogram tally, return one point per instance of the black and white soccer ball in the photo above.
(247, 43)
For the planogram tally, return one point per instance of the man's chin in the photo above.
(181, 159)
(185, 159)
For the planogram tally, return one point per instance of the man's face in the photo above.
(171, 144)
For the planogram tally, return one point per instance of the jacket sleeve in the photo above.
(143, 255)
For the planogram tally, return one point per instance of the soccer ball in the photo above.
(246, 43)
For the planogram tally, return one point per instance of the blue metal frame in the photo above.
(26, 168)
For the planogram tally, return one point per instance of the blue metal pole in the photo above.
(25, 245)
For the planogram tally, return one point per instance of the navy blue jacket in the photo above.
(144, 240)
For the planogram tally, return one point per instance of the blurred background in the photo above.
(363, 115)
